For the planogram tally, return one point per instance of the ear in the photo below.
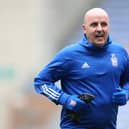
(84, 28)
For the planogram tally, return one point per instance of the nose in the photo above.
(99, 27)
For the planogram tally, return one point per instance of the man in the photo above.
(95, 65)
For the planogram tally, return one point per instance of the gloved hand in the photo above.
(72, 102)
(120, 97)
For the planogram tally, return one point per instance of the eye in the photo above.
(104, 24)
(94, 24)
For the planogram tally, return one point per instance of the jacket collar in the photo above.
(89, 45)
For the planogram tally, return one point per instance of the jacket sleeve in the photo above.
(124, 83)
(44, 82)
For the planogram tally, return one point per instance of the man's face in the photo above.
(96, 28)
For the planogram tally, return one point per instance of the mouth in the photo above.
(100, 39)
(99, 35)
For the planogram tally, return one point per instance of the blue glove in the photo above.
(120, 97)
(72, 102)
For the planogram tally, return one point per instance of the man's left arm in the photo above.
(121, 96)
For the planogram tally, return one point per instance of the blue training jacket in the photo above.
(85, 68)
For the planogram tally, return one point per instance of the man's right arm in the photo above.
(55, 94)
(44, 84)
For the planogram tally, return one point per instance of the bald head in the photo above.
(95, 12)
(96, 26)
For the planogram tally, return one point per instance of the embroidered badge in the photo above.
(114, 60)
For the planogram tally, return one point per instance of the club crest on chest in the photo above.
(114, 60)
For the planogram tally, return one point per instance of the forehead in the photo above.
(96, 16)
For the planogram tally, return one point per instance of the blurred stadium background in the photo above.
(31, 32)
